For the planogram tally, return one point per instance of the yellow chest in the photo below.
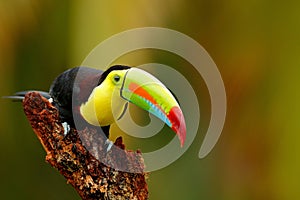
(103, 106)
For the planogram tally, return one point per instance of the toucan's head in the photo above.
(120, 85)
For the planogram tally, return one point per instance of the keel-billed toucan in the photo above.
(100, 98)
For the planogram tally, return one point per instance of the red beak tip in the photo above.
(182, 136)
(178, 124)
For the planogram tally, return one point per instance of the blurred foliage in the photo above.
(255, 44)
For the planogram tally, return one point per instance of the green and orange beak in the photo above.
(147, 92)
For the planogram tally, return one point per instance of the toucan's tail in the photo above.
(19, 96)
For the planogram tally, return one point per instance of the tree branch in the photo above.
(81, 156)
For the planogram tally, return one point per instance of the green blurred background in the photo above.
(256, 46)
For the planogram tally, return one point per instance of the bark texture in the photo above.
(81, 156)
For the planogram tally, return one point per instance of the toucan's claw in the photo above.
(50, 100)
(66, 128)
(109, 145)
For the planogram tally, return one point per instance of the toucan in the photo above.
(93, 97)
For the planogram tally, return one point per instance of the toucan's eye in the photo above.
(117, 78)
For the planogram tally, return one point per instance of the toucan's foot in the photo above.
(66, 128)
(50, 100)
(109, 145)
